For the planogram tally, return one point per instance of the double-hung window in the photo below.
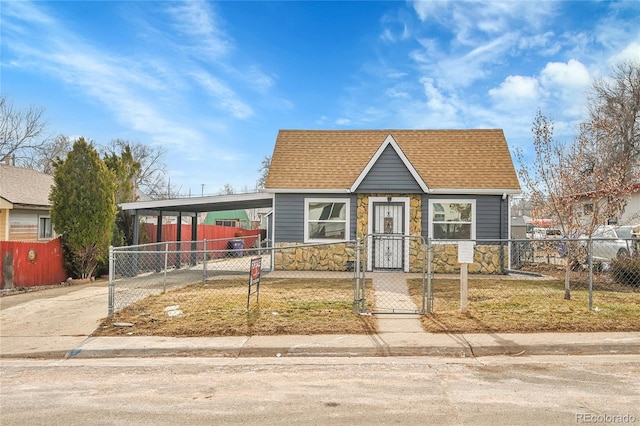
(326, 219)
(452, 219)
(45, 230)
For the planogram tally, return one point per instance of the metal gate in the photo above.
(390, 290)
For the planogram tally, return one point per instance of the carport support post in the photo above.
(194, 239)
(179, 239)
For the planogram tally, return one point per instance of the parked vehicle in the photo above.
(535, 233)
(612, 242)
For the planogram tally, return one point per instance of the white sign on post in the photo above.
(465, 252)
(465, 256)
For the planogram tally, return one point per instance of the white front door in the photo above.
(388, 239)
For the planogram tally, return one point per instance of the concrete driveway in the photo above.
(49, 322)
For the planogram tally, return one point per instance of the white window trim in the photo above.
(474, 219)
(347, 230)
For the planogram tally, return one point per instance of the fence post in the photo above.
(166, 260)
(356, 269)
(204, 261)
(590, 256)
(429, 290)
(424, 268)
(111, 283)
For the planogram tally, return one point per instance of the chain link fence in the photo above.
(319, 275)
(377, 274)
(509, 273)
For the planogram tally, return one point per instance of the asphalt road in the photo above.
(545, 390)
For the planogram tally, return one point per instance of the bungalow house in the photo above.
(24, 204)
(331, 186)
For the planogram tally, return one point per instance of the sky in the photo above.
(211, 83)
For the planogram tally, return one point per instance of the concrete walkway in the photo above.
(58, 324)
(395, 310)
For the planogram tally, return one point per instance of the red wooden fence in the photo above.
(28, 264)
(217, 236)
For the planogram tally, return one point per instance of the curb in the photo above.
(375, 345)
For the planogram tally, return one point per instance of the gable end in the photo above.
(391, 162)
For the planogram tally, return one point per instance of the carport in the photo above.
(190, 207)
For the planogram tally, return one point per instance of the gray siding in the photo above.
(389, 174)
(490, 210)
(289, 216)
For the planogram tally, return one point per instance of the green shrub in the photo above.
(626, 270)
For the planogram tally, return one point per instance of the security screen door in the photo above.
(388, 241)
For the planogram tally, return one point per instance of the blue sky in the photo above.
(213, 82)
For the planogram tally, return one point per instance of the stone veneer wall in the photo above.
(486, 259)
(325, 257)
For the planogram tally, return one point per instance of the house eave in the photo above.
(309, 190)
(475, 191)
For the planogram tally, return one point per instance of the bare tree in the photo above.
(264, 171)
(563, 177)
(553, 185)
(614, 115)
(150, 178)
(227, 189)
(21, 132)
(51, 151)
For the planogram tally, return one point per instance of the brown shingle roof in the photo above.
(19, 185)
(333, 159)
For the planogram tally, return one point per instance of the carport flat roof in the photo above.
(214, 203)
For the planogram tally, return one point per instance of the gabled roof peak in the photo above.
(389, 141)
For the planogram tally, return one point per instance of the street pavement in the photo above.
(58, 324)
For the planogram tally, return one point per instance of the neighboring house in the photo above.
(444, 185)
(24, 205)
(235, 218)
(628, 213)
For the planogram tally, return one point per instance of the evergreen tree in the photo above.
(83, 208)
(125, 170)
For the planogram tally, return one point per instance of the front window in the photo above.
(44, 228)
(326, 219)
(452, 219)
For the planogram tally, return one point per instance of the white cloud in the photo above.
(198, 20)
(516, 87)
(630, 53)
(567, 77)
(226, 99)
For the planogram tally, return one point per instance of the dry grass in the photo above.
(524, 306)
(219, 308)
(325, 306)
